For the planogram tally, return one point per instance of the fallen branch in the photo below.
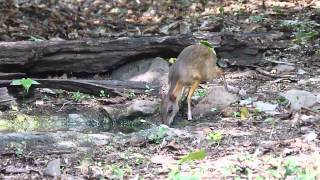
(94, 87)
(311, 110)
(266, 73)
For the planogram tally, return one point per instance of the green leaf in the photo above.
(34, 81)
(175, 174)
(26, 83)
(15, 82)
(215, 136)
(213, 109)
(198, 155)
(275, 173)
(35, 39)
(244, 113)
(159, 134)
(206, 43)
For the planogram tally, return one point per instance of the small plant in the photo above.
(200, 93)
(303, 30)
(139, 158)
(26, 83)
(85, 163)
(77, 96)
(18, 148)
(175, 174)
(130, 93)
(240, 12)
(291, 167)
(103, 94)
(304, 36)
(236, 114)
(213, 109)
(277, 9)
(257, 18)
(148, 89)
(221, 11)
(172, 60)
(282, 101)
(257, 112)
(158, 135)
(117, 172)
(215, 137)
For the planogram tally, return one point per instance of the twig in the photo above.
(311, 110)
(60, 152)
(7, 100)
(271, 133)
(266, 73)
(69, 102)
(280, 62)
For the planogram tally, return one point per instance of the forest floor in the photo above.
(241, 142)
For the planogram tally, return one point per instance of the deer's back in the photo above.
(195, 62)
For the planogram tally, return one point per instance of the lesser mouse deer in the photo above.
(195, 64)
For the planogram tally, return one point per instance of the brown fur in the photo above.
(196, 63)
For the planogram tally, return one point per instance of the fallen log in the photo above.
(11, 75)
(101, 55)
(94, 87)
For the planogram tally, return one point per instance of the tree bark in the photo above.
(99, 55)
(111, 87)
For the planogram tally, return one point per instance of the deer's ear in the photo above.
(173, 97)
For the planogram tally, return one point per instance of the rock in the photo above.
(53, 168)
(153, 71)
(76, 119)
(15, 170)
(217, 97)
(284, 68)
(245, 101)
(311, 80)
(242, 92)
(233, 89)
(318, 98)
(114, 112)
(299, 98)
(167, 28)
(305, 130)
(311, 136)
(138, 140)
(76, 122)
(301, 72)
(66, 145)
(95, 172)
(266, 107)
(142, 108)
(135, 108)
(70, 177)
(184, 27)
(6, 100)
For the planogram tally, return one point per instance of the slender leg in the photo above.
(193, 87)
(185, 93)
